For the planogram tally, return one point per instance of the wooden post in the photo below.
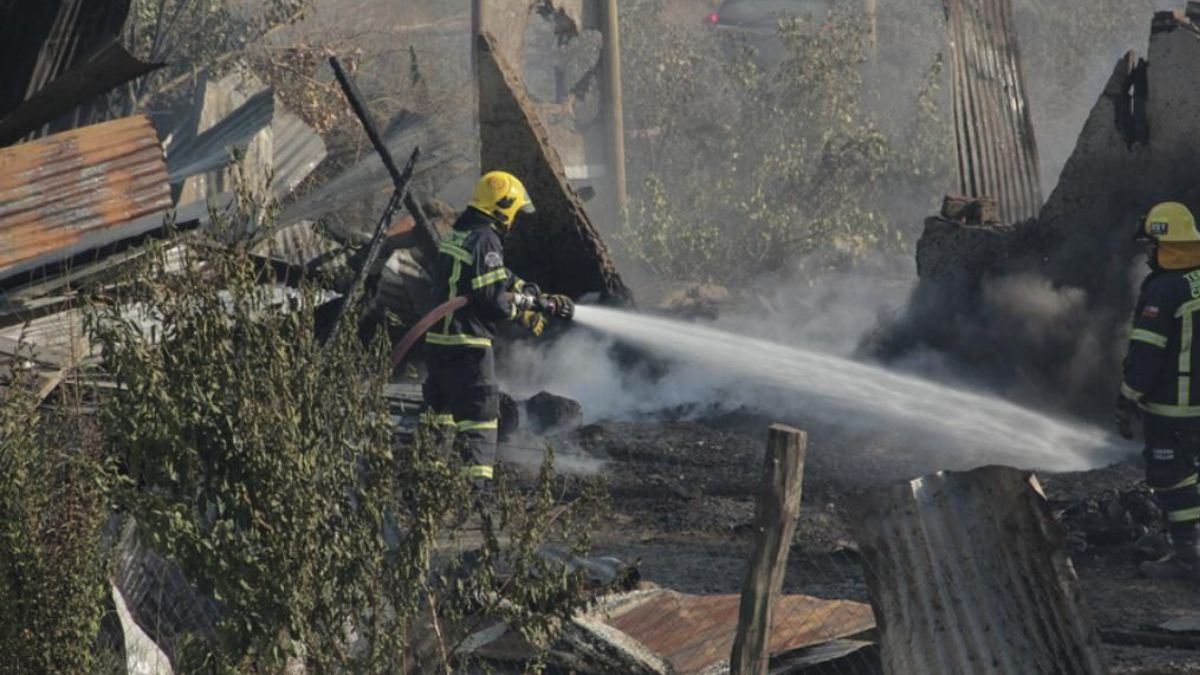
(775, 523)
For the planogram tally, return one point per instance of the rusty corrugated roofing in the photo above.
(60, 189)
(694, 633)
(968, 574)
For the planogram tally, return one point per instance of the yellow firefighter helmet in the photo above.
(501, 195)
(1170, 222)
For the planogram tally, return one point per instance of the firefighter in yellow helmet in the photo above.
(460, 388)
(1158, 384)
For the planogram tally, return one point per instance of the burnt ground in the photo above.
(682, 497)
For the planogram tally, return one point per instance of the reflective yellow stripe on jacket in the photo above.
(1149, 337)
(457, 340)
(495, 276)
(455, 251)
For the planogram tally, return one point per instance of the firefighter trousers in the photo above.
(1171, 472)
(461, 390)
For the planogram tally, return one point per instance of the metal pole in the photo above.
(613, 106)
(872, 8)
(476, 28)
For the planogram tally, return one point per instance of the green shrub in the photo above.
(54, 485)
(263, 463)
(261, 459)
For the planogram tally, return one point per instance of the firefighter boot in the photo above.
(1183, 564)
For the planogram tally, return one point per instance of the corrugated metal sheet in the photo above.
(369, 177)
(51, 346)
(300, 245)
(214, 148)
(215, 101)
(694, 633)
(997, 150)
(968, 574)
(57, 338)
(160, 598)
(112, 66)
(42, 39)
(56, 191)
(58, 55)
(298, 151)
(104, 249)
(238, 111)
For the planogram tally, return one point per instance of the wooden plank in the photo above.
(775, 524)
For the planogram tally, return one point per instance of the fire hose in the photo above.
(441, 311)
(421, 327)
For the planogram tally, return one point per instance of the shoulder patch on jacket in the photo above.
(493, 259)
(1150, 311)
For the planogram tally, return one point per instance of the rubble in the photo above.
(970, 210)
(658, 631)
(513, 139)
(1114, 518)
(546, 412)
(1133, 152)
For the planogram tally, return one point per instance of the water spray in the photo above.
(999, 430)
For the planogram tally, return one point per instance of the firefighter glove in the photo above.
(560, 307)
(1125, 411)
(533, 321)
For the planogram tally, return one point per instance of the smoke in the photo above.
(770, 360)
(1048, 330)
(830, 312)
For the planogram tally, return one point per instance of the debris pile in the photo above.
(85, 188)
(658, 631)
(1039, 305)
(1114, 518)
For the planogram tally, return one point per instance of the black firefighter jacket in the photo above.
(1158, 371)
(470, 263)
